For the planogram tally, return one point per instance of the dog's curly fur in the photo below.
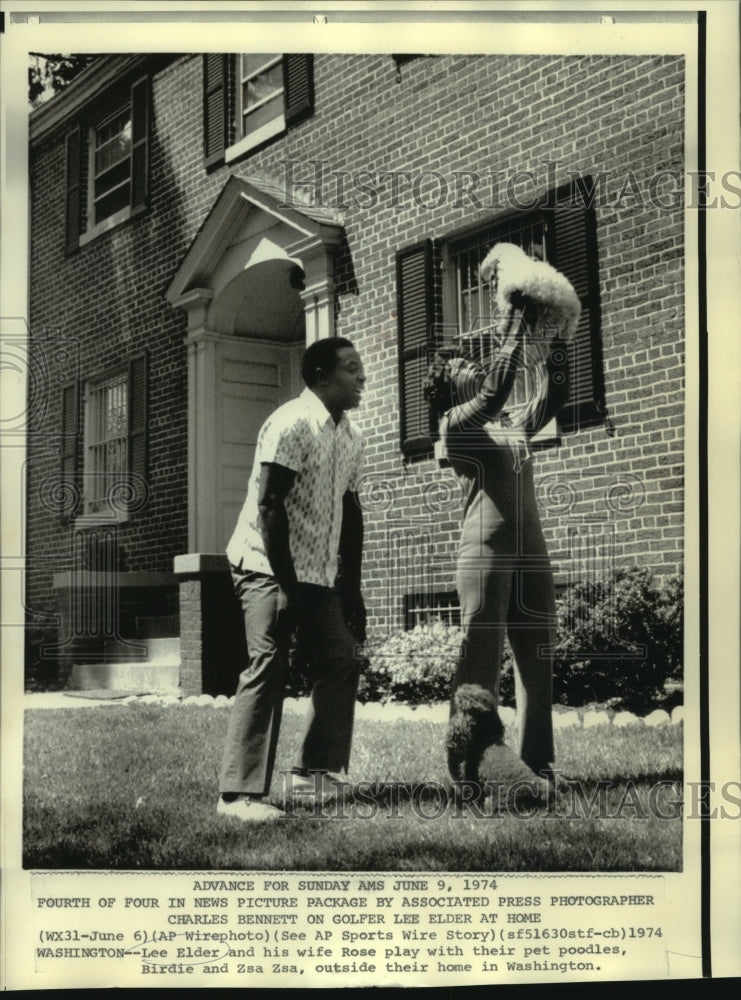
(476, 750)
(474, 725)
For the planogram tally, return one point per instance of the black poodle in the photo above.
(478, 755)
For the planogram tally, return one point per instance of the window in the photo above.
(108, 166)
(428, 608)
(250, 98)
(471, 305)
(106, 439)
(114, 422)
(259, 97)
(441, 299)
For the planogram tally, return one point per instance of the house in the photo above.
(197, 219)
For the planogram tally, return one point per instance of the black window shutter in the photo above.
(138, 404)
(416, 316)
(215, 94)
(298, 86)
(576, 257)
(140, 142)
(68, 448)
(73, 219)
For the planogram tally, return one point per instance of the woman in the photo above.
(504, 577)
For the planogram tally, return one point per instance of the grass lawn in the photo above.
(134, 787)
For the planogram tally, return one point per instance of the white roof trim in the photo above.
(79, 92)
(237, 199)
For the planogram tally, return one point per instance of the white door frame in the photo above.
(243, 219)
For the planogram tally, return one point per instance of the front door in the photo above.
(255, 378)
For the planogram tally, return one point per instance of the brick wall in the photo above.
(549, 115)
(104, 304)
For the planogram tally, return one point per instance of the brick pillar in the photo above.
(212, 643)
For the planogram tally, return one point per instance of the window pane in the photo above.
(106, 438)
(258, 62)
(115, 457)
(115, 149)
(113, 127)
(260, 90)
(112, 203)
(475, 306)
(476, 309)
(112, 166)
(115, 410)
(262, 86)
(111, 179)
(263, 114)
(426, 609)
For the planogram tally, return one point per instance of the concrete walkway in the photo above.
(62, 699)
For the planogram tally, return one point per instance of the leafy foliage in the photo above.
(415, 666)
(48, 74)
(419, 666)
(619, 640)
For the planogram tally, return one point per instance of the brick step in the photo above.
(138, 678)
(164, 649)
(134, 650)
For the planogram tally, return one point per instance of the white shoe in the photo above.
(249, 810)
(318, 786)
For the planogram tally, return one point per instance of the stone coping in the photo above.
(187, 564)
(68, 579)
(196, 563)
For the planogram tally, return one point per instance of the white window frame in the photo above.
(93, 228)
(478, 340)
(97, 439)
(271, 128)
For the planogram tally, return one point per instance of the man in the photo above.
(300, 523)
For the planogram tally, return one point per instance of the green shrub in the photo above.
(619, 640)
(415, 666)
(418, 666)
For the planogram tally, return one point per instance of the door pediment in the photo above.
(257, 286)
(253, 261)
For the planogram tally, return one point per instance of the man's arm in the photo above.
(351, 541)
(351, 556)
(275, 484)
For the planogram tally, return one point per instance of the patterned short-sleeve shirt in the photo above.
(326, 457)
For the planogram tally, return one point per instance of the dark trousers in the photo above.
(254, 723)
(503, 595)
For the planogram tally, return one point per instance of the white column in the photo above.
(203, 446)
(318, 295)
